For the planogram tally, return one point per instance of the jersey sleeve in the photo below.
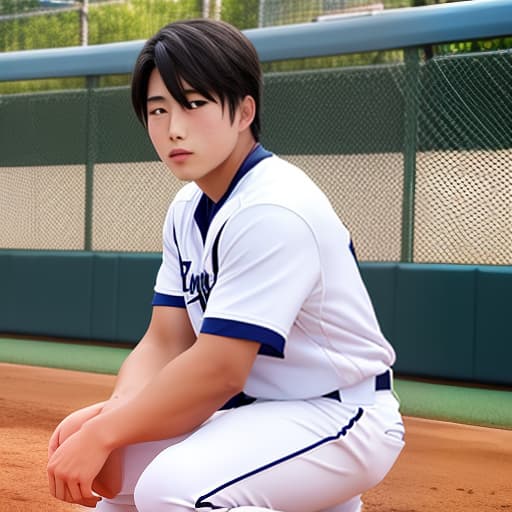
(168, 287)
(268, 265)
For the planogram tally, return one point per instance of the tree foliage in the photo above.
(17, 6)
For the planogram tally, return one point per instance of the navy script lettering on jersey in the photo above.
(197, 285)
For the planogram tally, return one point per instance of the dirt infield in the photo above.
(444, 468)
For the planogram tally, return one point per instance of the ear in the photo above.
(247, 109)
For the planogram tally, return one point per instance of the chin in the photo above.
(181, 174)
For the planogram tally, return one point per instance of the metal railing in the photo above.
(383, 30)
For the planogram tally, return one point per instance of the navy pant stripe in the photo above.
(343, 432)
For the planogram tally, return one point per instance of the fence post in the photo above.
(411, 100)
(91, 152)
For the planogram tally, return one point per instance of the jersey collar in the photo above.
(206, 209)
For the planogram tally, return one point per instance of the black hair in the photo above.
(213, 57)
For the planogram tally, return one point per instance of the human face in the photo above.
(198, 143)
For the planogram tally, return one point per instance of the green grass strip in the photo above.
(460, 404)
(70, 356)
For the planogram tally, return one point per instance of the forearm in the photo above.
(141, 365)
(169, 334)
(183, 395)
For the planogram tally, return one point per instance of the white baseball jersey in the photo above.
(271, 262)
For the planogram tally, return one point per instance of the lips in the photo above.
(179, 153)
(178, 156)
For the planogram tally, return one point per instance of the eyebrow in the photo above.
(155, 98)
(161, 98)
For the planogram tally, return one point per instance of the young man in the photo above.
(263, 379)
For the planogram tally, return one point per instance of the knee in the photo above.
(158, 491)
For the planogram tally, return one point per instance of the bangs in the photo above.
(175, 73)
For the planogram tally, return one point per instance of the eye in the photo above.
(157, 111)
(194, 104)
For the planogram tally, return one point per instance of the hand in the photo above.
(71, 424)
(110, 478)
(74, 465)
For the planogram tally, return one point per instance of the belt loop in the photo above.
(383, 381)
(363, 393)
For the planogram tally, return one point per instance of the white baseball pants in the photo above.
(291, 456)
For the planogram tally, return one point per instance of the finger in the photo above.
(85, 502)
(68, 498)
(89, 502)
(53, 444)
(73, 492)
(86, 490)
(60, 489)
(51, 482)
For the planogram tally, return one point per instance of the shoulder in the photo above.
(278, 168)
(275, 181)
(278, 196)
(268, 222)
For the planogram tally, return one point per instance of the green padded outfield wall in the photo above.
(77, 295)
(444, 321)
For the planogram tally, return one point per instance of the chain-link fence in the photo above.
(415, 155)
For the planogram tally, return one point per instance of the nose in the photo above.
(177, 125)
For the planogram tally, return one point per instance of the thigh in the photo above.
(295, 456)
(134, 460)
(136, 457)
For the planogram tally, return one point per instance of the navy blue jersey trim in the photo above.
(353, 250)
(206, 209)
(215, 253)
(203, 215)
(201, 503)
(238, 401)
(272, 343)
(160, 299)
